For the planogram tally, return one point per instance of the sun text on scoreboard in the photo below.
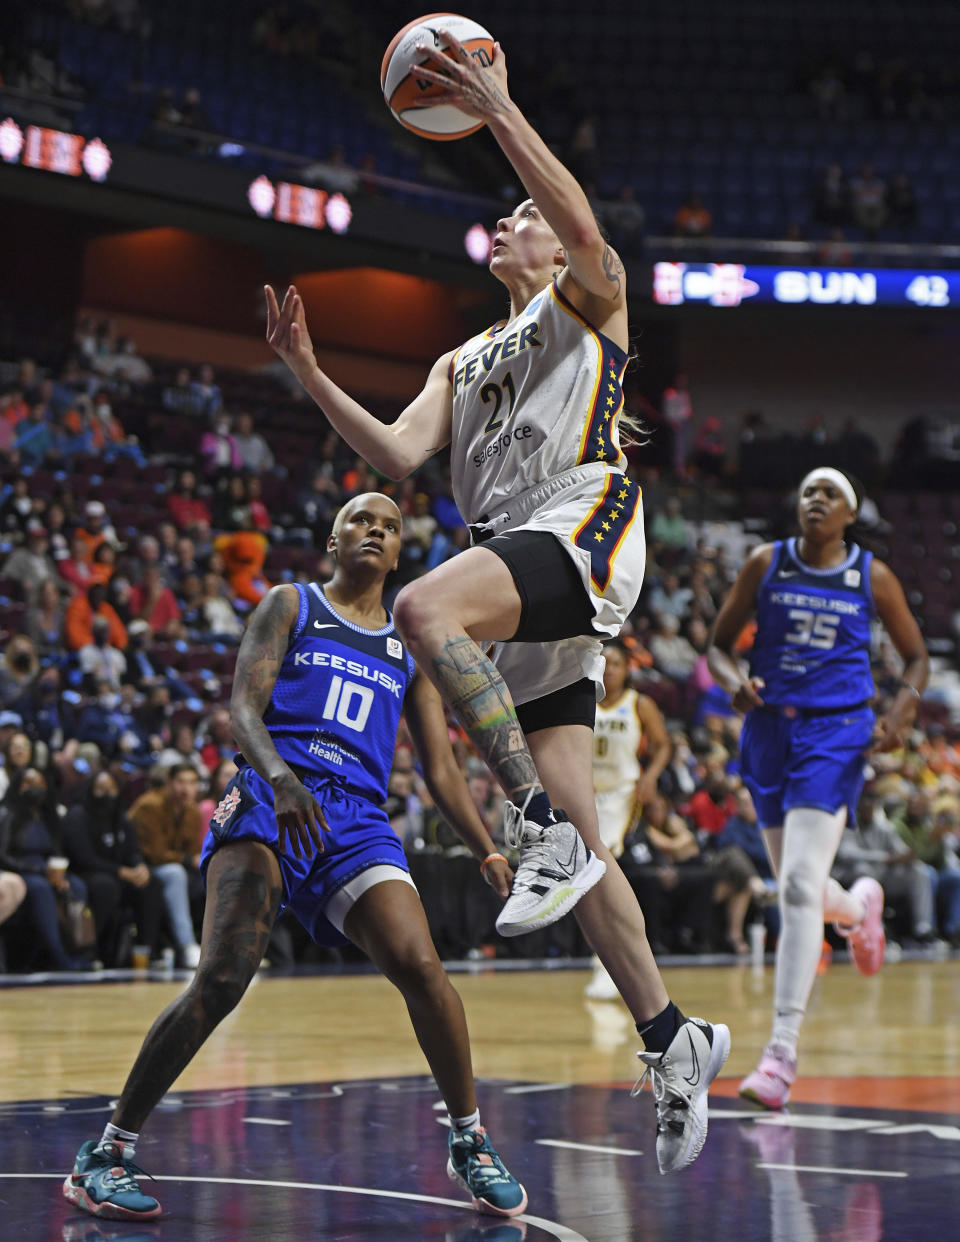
(54, 150)
(733, 284)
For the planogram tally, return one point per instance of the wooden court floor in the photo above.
(874, 1119)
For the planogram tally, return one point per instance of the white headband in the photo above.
(838, 480)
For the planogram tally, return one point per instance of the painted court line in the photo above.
(538, 1086)
(266, 1121)
(816, 1168)
(609, 1151)
(555, 1230)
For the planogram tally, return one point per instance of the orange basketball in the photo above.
(400, 89)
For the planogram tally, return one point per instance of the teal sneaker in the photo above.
(475, 1165)
(103, 1184)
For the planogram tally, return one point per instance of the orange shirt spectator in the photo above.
(693, 219)
(78, 620)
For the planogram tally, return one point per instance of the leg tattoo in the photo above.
(242, 906)
(476, 692)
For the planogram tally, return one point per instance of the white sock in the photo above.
(126, 1140)
(808, 847)
(463, 1124)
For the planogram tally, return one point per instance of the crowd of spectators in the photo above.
(120, 627)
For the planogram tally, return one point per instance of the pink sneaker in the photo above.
(867, 942)
(769, 1084)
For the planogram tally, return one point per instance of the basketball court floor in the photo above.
(309, 1115)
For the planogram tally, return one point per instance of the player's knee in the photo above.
(799, 888)
(418, 972)
(221, 988)
(413, 610)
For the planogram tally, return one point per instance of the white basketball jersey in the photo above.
(532, 398)
(616, 739)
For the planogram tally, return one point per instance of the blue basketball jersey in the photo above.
(337, 701)
(812, 646)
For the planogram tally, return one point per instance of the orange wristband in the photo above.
(490, 858)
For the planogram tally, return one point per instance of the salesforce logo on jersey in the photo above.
(325, 659)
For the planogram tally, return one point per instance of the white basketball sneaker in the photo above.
(554, 871)
(679, 1079)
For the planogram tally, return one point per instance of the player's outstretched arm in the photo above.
(900, 623)
(393, 450)
(423, 709)
(482, 92)
(736, 610)
(299, 817)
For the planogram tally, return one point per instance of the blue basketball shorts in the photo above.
(319, 891)
(816, 761)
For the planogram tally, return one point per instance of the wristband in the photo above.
(490, 858)
(906, 685)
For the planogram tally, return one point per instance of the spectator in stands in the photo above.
(713, 802)
(231, 510)
(218, 449)
(118, 597)
(183, 749)
(868, 200)
(925, 840)
(581, 156)
(259, 514)
(217, 740)
(254, 451)
(901, 202)
(669, 598)
(78, 622)
(126, 363)
(46, 717)
(30, 836)
(672, 653)
(219, 619)
(334, 174)
(181, 397)
(98, 659)
(31, 564)
(709, 449)
(831, 197)
(692, 218)
(16, 506)
(167, 821)
(36, 438)
(835, 250)
(829, 93)
(18, 667)
(96, 527)
(626, 219)
(206, 391)
(190, 599)
(152, 601)
(9, 457)
(316, 504)
(75, 567)
(102, 846)
(43, 621)
(103, 563)
(677, 411)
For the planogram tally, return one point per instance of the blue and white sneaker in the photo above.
(104, 1184)
(474, 1164)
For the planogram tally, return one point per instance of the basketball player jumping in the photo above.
(809, 724)
(320, 684)
(530, 410)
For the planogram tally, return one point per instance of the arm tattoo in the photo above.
(478, 695)
(263, 648)
(612, 267)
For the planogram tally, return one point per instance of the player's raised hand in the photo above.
(747, 696)
(300, 819)
(287, 333)
(478, 90)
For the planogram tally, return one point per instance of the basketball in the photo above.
(401, 90)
